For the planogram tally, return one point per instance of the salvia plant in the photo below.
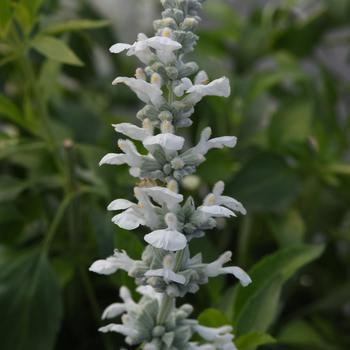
(170, 87)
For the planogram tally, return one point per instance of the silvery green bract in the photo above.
(170, 87)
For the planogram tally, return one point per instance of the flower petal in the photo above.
(166, 239)
(113, 310)
(216, 211)
(127, 220)
(120, 47)
(168, 141)
(131, 131)
(120, 204)
(113, 159)
(163, 195)
(163, 43)
(104, 267)
(168, 275)
(239, 274)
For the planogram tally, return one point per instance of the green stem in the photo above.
(165, 308)
(56, 221)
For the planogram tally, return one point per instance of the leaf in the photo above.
(292, 123)
(261, 309)
(128, 241)
(288, 228)
(56, 50)
(217, 162)
(268, 277)
(73, 25)
(11, 188)
(10, 111)
(30, 302)
(300, 333)
(266, 183)
(5, 16)
(213, 318)
(252, 340)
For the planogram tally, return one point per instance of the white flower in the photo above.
(216, 198)
(118, 328)
(205, 143)
(221, 337)
(132, 131)
(163, 195)
(131, 156)
(216, 268)
(140, 49)
(216, 211)
(169, 239)
(219, 87)
(167, 141)
(113, 310)
(163, 46)
(104, 267)
(146, 92)
(167, 274)
(120, 260)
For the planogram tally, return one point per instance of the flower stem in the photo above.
(165, 308)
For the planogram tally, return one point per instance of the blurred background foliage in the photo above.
(288, 62)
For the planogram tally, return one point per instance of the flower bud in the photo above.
(172, 73)
(190, 23)
(140, 74)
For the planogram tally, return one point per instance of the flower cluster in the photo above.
(166, 270)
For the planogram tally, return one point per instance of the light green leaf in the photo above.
(213, 318)
(288, 228)
(10, 111)
(73, 25)
(56, 50)
(268, 277)
(266, 183)
(300, 333)
(30, 302)
(292, 123)
(251, 341)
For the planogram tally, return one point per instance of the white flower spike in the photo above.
(155, 153)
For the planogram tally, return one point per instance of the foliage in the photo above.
(290, 111)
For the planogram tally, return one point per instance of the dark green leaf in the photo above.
(266, 183)
(30, 302)
(268, 277)
(300, 333)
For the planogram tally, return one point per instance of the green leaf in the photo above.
(261, 309)
(5, 16)
(251, 341)
(10, 111)
(30, 302)
(288, 228)
(11, 188)
(73, 25)
(292, 123)
(128, 241)
(300, 333)
(266, 183)
(255, 306)
(56, 50)
(213, 318)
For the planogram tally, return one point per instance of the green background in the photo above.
(288, 62)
